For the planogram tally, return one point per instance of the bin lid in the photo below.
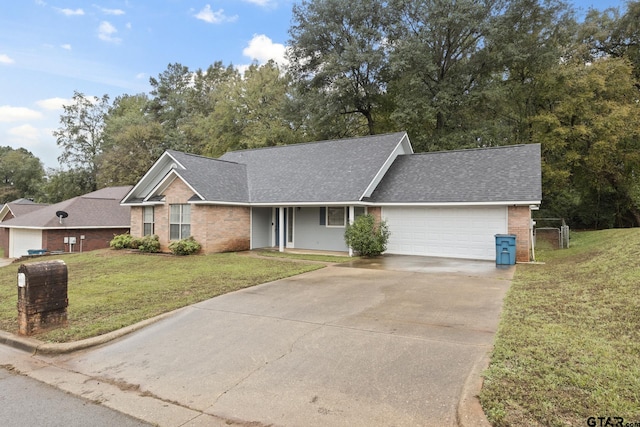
(505, 235)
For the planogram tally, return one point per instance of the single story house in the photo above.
(19, 207)
(83, 223)
(448, 204)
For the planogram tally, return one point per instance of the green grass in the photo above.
(307, 257)
(568, 345)
(109, 289)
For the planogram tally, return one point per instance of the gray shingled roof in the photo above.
(213, 179)
(93, 210)
(478, 175)
(326, 171)
(24, 206)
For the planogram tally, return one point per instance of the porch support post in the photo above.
(281, 228)
(351, 218)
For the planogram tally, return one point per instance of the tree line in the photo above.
(454, 75)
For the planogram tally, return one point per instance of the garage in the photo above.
(454, 232)
(21, 240)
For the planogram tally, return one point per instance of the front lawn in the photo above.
(110, 289)
(568, 345)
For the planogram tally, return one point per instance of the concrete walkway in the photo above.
(394, 341)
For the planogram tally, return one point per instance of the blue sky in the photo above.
(49, 48)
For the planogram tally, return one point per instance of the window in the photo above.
(335, 216)
(147, 221)
(179, 222)
(358, 211)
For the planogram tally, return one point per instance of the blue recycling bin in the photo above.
(505, 249)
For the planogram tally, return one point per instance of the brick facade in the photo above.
(53, 240)
(217, 228)
(519, 224)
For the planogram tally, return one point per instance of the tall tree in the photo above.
(80, 135)
(441, 62)
(132, 142)
(591, 143)
(64, 184)
(21, 174)
(339, 56)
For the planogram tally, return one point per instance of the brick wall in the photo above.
(519, 223)
(53, 240)
(136, 221)
(376, 212)
(217, 228)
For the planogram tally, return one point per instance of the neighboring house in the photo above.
(11, 210)
(90, 223)
(448, 204)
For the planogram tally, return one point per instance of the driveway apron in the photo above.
(355, 345)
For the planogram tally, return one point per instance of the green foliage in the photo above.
(187, 246)
(21, 175)
(149, 244)
(66, 184)
(122, 241)
(364, 237)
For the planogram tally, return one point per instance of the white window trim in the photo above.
(344, 217)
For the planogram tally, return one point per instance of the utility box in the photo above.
(505, 249)
(42, 296)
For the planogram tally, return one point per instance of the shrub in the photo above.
(149, 244)
(186, 246)
(365, 238)
(121, 241)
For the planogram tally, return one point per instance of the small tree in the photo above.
(364, 237)
(186, 246)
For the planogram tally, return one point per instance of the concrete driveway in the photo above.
(386, 342)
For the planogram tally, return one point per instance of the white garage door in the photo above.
(21, 240)
(460, 232)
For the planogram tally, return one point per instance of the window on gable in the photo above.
(179, 222)
(148, 221)
(336, 216)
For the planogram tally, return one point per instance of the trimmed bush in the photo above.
(121, 241)
(365, 238)
(149, 244)
(186, 246)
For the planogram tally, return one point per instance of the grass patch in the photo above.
(110, 289)
(307, 257)
(568, 345)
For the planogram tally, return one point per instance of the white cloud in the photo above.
(26, 135)
(66, 46)
(71, 12)
(141, 76)
(111, 11)
(262, 3)
(218, 17)
(5, 59)
(106, 32)
(54, 103)
(261, 48)
(17, 114)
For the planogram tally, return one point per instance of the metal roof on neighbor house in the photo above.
(99, 209)
(499, 174)
(323, 172)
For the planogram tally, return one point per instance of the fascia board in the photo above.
(444, 204)
(400, 146)
(152, 170)
(78, 227)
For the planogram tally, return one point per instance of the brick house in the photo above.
(90, 223)
(449, 204)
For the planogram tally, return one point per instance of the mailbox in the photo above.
(42, 296)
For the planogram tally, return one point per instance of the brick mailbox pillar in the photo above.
(42, 296)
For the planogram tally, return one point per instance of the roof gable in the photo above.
(485, 175)
(327, 171)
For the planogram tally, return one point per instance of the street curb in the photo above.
(470, 412)
(38, 347)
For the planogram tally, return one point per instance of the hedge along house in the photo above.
(91, 222)
(448, 204)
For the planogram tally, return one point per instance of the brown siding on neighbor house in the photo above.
(53, 240)
(519, 223)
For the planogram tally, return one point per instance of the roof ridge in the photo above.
(461, 150)
(203, 157)
(315, 142)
